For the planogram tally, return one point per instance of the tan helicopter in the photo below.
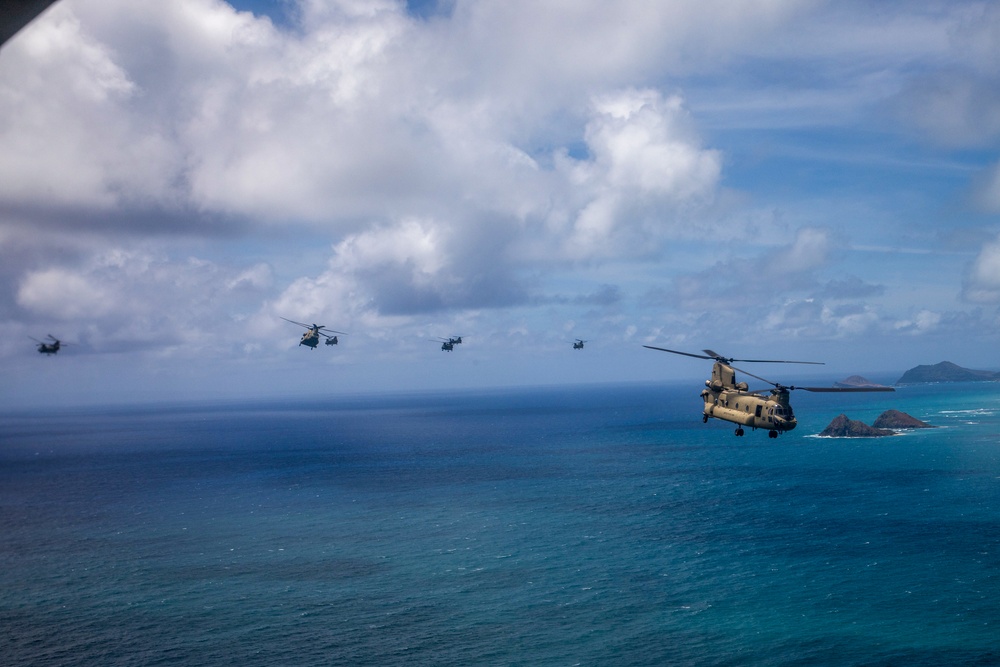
(731, 401)
(311, 337)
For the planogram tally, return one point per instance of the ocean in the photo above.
(596, 525)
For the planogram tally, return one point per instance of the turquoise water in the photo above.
(593, 526)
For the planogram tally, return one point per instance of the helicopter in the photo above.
(311, 337)
(447, 344)
(731, 401)
(48, 348)
(578, 345)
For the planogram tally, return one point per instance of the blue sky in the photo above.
(789, 178)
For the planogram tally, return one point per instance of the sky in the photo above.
(790, 179)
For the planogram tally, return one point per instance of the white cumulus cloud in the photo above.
(982, 281)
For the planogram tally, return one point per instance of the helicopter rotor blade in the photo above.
(844, 389)
(294, 322)
(826, 390)
(830, 390)
(686, 354)
(729, 360)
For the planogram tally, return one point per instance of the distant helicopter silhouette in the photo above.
(578, 345)
(311, 337)
(448, 344)
(48, 348)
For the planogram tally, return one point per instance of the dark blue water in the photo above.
(568, 526)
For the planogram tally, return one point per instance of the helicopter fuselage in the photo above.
(310, 339)
(731, 401)
(47, 349)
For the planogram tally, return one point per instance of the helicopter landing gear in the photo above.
(704, 419)
(772, 434)
(739, 432)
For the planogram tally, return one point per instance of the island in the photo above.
(889, 422)
(946, 371)
(894, 419)
(842, 427)
(857, 382)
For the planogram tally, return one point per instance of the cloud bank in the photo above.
(169, 166)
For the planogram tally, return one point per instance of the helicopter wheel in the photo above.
(739, 432)
(772, 434)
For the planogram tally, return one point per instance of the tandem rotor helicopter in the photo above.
(311, 337)
(48, 348)
(731, 401)
(578, 345)
(448, 344)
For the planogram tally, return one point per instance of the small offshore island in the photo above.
(888, 423)
(857, 381)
